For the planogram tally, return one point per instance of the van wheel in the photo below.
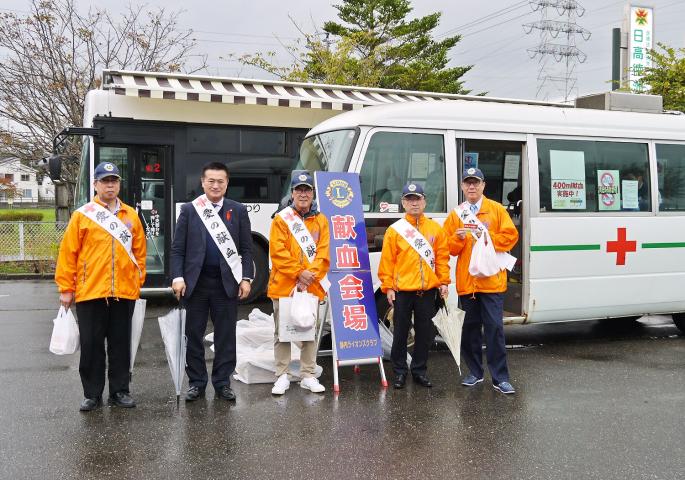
(385, 316)
(261, 275)
(679, 320)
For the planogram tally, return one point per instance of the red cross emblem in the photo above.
(89, 208)
(621, 246)
(289, 216)
(409, 233)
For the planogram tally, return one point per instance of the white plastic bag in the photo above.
(65, 336)
(287, 330)
(484, 261)
(303, 310)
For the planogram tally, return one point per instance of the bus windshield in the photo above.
(327, 151)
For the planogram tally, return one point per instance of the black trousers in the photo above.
(484, 313)
(98, 320)
(424, 309)
(209, 298)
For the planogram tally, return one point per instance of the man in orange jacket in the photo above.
(101, 267)
(300, 262)
(413, 271)
(482, 298)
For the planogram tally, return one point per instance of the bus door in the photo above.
(500, 159)
(144, 169)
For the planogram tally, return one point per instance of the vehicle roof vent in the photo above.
(622, 102)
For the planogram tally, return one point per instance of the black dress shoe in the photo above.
(400, 380)
(89, 404)
(194, 393)
(423, 380)
(122, 399)
(225, 393)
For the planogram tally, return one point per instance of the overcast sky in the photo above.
(494, 40)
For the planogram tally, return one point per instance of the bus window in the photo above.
(593, 176)
(500, 162)
(671, 174)
(327, 151)
(83, 184)
(394, 158)
(119, 157)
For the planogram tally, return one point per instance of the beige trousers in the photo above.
(282, 353)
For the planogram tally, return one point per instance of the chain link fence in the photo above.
(30, 241)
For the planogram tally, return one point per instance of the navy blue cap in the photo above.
(106, 169)
(411, 188)
(302, 178)
(473, 173)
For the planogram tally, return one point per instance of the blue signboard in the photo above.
(353, 306)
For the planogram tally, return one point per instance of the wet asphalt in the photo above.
(596, 400)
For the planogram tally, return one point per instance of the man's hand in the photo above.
(179, 288)
(444, 291)
(244, 289)
(66, 299)
(461, 233)
(306, 278)
(390, 294)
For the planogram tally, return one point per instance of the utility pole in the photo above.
(558, 19)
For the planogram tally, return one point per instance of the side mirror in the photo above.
(55, 167)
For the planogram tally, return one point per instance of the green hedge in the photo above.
(21, 217)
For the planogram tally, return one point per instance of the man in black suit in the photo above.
(211, 267)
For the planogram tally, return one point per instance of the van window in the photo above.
(593, 176)
(671, 174)
(394, 158)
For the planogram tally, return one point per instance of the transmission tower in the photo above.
(557, 51)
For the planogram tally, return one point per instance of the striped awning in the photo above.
(256, 92)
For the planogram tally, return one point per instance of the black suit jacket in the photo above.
(189, 245)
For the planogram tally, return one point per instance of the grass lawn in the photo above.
(48, 213)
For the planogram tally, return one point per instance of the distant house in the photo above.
(24, 178)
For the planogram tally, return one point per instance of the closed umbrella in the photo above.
(172, 326)
(449, 320)
(136, 330)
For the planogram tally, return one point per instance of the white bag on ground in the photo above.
(65, 335)
(484, 261)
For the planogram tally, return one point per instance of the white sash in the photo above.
(111, 224)
(470, 221)
(304, 239)
(220, 234)
(417, 241)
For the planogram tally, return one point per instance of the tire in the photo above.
(679, 320)
(261, 278)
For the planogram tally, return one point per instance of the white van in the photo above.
(598, 196)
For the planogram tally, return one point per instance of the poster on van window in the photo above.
(608, 192)
(568, 179)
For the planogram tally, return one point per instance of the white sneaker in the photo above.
(311, 383)
(281, 385)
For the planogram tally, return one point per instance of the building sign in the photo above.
(640, 41)
(352, 300)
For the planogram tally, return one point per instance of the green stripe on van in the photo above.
(664, 245)
(557, 248)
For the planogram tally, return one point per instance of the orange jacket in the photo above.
(504, 236)
(94, 265)
(288, 260)
(403, 269)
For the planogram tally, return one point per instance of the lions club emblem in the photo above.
(339, 193)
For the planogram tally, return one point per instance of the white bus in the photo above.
(598, 196)
(160, 129)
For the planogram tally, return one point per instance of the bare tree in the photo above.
(51, 57)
